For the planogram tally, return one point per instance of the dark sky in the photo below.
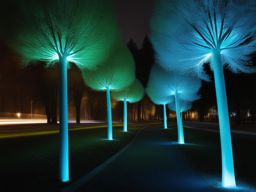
(133, 18)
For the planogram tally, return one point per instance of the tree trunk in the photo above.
(63, 113)
(164, 116)
(181, 139)
(109, 114)
(228, 173)
(125, 129)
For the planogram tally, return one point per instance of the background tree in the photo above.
(116, 73)
(131, 94)
(220, 32)
(157, 91)
(181, 87)
(180, 106)
(184, 106)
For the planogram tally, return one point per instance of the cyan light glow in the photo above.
(188, 34)
(184, 34)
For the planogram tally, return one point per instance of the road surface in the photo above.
(150, 163)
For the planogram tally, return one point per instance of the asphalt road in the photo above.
(150, 163)
(214, 127)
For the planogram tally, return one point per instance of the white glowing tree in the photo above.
(188, 34)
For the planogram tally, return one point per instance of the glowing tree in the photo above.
(65, 31)
(157, 91)
(117, 73)
(131, 94)
(181, 106)
(184, 105)
(174, 85)
(182, 87)
(188, 34)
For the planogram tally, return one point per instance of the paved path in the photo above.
(150, 163)
(214, 127)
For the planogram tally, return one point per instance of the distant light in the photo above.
(233, 114)
(18, 115)
(21, 121)
(248, 114)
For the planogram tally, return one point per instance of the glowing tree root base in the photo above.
(228, 173)
(165, 116)
(63, 106)
(109, 114)
(181, 139)
(125, 129)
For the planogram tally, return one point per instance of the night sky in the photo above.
(134, 18)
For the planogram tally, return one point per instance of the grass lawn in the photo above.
(31, 163)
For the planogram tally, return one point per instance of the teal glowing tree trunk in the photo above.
(131, 94)
(79, 32)
(115, 74)
(181, 139)
(189, 34)
(180, 106)
(125, 127)
(109, 114)
(165, 116)
(63, 107)
(228, 172)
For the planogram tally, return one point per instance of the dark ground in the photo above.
(31, 163)
(152, 161)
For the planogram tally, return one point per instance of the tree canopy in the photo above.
(186, 33)
(163, 84)
(184, 105)
(132, 93)
(82, 31)
(116, 73)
